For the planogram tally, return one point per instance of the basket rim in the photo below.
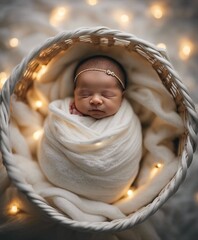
(186, 157)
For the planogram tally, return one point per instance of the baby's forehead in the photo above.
(99, 62)
(102, 64)
(97, 79)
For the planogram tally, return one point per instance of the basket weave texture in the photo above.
(22, 78)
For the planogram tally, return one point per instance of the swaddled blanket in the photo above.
(97, 159)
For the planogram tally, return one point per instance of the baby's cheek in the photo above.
(81, 106)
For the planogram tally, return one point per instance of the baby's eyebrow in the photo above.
(84, 91)
(107, 90)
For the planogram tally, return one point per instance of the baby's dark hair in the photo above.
(102, 62)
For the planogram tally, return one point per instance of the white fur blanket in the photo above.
(96, 159)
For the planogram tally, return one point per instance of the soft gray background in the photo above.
(29, 21)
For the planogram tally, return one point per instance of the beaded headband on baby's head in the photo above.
(107, 71)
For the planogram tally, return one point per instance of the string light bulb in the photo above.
(14, 42)
(158, 165)
(122, 18)
(37, 101)
(92, 2)
(130, 192)
(156, 169)
(58, 15)
(185, 49)
(37, 134)
(13, 209)
(157, 10)
(38, 104)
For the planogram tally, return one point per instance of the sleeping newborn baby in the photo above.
(92, 143)
(99, 87)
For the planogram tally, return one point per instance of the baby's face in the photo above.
(97, 94)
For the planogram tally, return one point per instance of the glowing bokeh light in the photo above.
(130, 193)
(38, 104)
(37, 134)
(156, 169)
(157, 11)
(14, 42)
(122, 18)
(158, 165)
(92, 2)
(58, 15)
(185, 49)
(13, 209)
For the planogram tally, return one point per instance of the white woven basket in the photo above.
(21, 80)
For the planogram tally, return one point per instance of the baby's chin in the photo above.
(99, 115)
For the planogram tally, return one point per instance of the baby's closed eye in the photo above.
(85, 93)
(108, 94)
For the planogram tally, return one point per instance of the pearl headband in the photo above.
(107, 71)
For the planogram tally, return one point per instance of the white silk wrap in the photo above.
(97, 159)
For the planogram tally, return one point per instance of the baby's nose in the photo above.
(96, 100)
